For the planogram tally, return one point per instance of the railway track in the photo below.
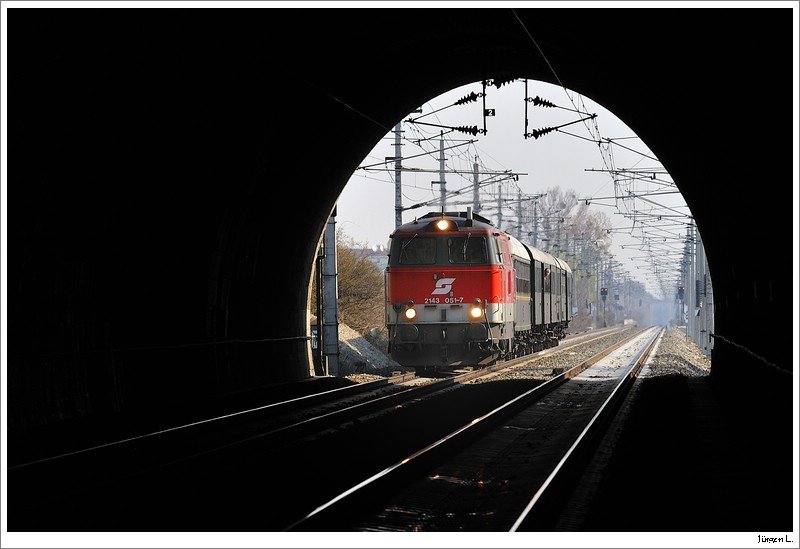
(279, 418)
(479, 477)
(174, 457)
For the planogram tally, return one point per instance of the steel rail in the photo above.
(138, 444)
(386, 402)
(276, 407)
(325, 515)
(582, 443)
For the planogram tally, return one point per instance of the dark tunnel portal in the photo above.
(149, 254)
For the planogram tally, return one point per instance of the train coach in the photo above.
(460, 292)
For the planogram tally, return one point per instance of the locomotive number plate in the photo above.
(437, 300)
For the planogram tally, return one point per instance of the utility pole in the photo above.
(709, 309)
(597, 285)
(442, 182)
(398, 170)
(607, 278)
(330, 292)
(575, 302)
(605, 285)
(476, 204)
(690, 328)
(519, 214)
(702, 336)
(558, 236)
(682, 296)
(535, 224)
(500, 205)
(611, 274)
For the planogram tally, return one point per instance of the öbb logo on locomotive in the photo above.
(443, 286)
(513, 298)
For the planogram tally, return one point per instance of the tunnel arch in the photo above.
(150, 262)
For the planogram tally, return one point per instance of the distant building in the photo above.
(379, 259)
(377, 254)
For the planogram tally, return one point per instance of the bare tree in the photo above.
(361, 286)
(554, 209)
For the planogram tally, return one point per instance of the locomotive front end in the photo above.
(446, 297)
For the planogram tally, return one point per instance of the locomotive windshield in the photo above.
(417, 250)
(467, 249)
(463, 249)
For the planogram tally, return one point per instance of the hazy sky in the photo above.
(366, 207)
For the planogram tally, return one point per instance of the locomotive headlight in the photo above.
(442, 224)
(476, 311)
(410, 313)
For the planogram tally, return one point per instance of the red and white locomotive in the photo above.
(459, 291)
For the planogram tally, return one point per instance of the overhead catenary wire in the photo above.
(367, 117)
(604, 144)
(632, 150)
(391, 159)
(390, 181)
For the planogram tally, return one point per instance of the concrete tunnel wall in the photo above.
(148, 150)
